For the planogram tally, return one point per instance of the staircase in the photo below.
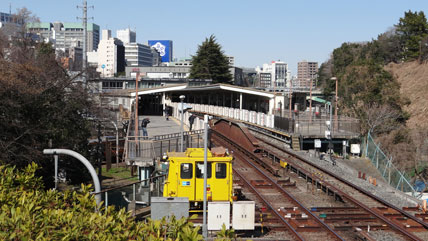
(295, 143)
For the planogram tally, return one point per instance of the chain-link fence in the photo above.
(384, 164)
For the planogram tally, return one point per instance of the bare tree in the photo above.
(381, 117)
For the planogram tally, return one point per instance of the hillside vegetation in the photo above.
(413, 80)
(383, 83)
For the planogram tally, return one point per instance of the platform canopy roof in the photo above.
(184, 87)
(318, 99)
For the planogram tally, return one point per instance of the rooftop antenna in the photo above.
(84, 19)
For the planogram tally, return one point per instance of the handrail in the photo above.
(129, 184)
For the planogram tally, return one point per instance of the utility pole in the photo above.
(84, 19)
(181, 125)
(310, 102)
(291, 98)
(336, 123)
(99, 150)
(204, 205)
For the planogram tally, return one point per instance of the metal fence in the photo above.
(318, 126)
(387, 169)
(192, 139)
(139, 192)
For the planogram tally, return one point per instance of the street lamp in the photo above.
(136, 104)
(181, 126)
(310, 102)
(335, 110)
(290, 93)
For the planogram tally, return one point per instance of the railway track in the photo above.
(276, 198)
(345, 210)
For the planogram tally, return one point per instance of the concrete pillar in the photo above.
(271, 105)
(240, 101)
(163, 102)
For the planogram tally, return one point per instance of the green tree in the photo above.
(413, 30)
(28, 212)
(210, 62)
(41, 104)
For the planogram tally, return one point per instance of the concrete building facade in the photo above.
(307, 73)
(159, 72)
(111, 55)
(138, 55)
(279, 73)
(65, 35)
(231, 60)
(126, 36)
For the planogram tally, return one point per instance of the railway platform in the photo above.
(160, 126)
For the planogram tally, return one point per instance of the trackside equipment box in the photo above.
(218, 214)
(243, 215)
(168, 206)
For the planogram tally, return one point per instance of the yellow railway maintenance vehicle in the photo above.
(186, 176)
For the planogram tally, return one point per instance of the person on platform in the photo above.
(191, 120)
(166, 113)
(144, 124)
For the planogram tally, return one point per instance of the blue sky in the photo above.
(255, 32)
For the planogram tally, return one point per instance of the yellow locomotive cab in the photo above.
(186, 175)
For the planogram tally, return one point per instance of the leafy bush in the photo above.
(28, 212)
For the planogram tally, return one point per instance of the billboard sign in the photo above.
(164, 47)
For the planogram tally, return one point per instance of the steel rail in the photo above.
(384, 202)
(266, 202)
(285, 192)
(351, 199)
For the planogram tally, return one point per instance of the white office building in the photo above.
(136, 54)
(64, 35)
(111, 55)
(126, 36)
(279, 72)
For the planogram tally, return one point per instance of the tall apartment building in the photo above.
(111, 55)
(278, 71)
(65, 35)
(307, 73)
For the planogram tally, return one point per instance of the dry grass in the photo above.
(413, 78)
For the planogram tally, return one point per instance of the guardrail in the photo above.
(120, 193)
(299, 124)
